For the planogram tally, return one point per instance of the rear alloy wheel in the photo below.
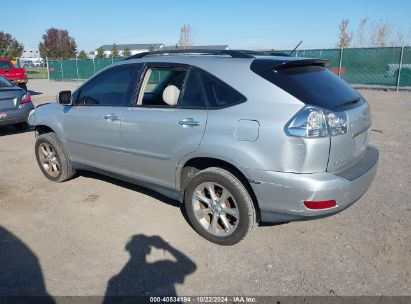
(219, 206)
(52, 159)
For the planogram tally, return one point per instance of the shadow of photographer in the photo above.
(141, 278)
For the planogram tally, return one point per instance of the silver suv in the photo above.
(237, 136)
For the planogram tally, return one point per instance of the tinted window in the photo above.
(193, 95)
(314, 85)
(218, 93)
(112, 88)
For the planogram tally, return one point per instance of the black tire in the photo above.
(23, 86)
(66, 171)
(22, 126)
(247, 215)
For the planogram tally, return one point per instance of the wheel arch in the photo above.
(196, 164)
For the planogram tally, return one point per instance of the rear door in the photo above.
(156, 135)
(92, 124)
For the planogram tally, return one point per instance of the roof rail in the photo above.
(232, 53)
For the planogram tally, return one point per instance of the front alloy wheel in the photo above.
(52, 158)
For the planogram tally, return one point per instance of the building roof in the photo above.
(143, 46)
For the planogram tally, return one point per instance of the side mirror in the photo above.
(64, 98)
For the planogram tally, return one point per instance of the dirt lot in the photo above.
(92, 235)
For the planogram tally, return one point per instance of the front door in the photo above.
(92, 124)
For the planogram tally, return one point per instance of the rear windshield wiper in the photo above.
(349, 101)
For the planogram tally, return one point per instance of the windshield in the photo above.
(313, 85)
(5, 65)
(4, 83)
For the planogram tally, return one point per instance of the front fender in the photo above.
(49, 115)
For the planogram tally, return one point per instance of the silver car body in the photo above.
(149, 147)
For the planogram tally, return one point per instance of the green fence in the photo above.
(386, 67)
(77, 69)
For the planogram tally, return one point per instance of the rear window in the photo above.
(4, 83)
(5, 65)
(313, 85)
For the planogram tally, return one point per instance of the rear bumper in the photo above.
(17, 115)
(281, 195)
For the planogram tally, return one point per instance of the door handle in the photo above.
(111, 117)
(188, 122)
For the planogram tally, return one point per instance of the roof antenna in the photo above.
(292, 52)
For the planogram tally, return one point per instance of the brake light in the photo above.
(311, 122)
(316, 205)
(26, 98)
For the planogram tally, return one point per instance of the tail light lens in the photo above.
(316, 205)
(26, 98)
(312, 122)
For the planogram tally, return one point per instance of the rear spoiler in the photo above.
(301, 63)
(261, 65)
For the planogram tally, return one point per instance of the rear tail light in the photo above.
(316, 205)
(314, 122)
(26, 98)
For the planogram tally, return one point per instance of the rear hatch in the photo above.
(313, 84)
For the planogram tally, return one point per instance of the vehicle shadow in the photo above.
(141, 278)
(130, 186)
(12, 130)
(21, 278)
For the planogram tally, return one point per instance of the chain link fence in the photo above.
(388, 67)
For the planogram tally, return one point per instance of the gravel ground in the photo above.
(95, 235)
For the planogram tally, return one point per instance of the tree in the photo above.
(344, 37)
(57, 43)
(186, 37)
(361, 36)
(152, 48)
(126, 52)
(380, 34)
(100, 53)
(9, 47)
(82, 55)
(114, 51)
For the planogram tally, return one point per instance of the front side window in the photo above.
(112, 88)
(161, 87)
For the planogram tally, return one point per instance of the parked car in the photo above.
(17, 75)
(15, 104)
(238, 137)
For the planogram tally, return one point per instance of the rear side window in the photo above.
(219, 94)
(313, 85)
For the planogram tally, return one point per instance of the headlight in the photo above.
(312, 122)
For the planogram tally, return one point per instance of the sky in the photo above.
(248, 24)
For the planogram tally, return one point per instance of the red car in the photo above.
(17, 75)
